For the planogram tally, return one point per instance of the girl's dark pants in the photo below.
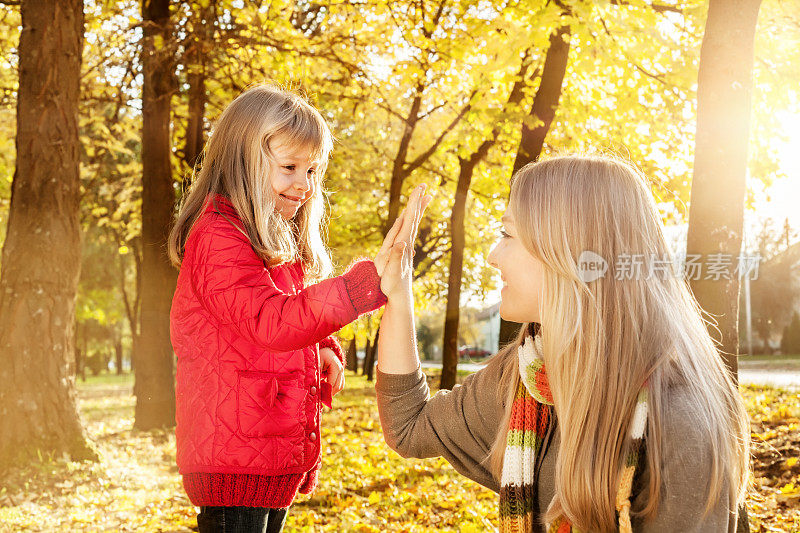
(240, 520)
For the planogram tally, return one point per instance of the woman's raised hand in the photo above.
(394, 260)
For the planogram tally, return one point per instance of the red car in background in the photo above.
(473, 352)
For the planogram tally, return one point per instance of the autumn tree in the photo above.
(466, 168)
(537, 125)
(111, 177)
(42, 250)
(154, 387)
(199, 23)
(716, 212)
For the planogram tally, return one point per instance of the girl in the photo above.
(251, 323)
(634, 425)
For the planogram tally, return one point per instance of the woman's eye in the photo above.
(504, 235)
(312, 171)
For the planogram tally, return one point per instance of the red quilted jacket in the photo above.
(248, 388)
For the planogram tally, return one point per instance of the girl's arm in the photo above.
(235, 287)
(331, 342)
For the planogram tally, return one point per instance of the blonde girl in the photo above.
(254, 312)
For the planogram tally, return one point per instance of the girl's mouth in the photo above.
(292, 198)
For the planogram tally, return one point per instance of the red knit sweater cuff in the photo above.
(333, 344)
(363, 285)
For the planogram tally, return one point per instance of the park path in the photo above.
(748, 374)
(773, 377)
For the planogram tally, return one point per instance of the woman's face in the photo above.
(292, 177)
(522, 274)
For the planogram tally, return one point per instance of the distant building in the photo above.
(488, 326)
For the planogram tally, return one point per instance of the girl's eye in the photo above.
(289, 167)
(504, 235)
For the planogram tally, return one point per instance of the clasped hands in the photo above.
(395, 266)
(394, 260)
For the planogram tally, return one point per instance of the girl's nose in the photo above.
(304, 182)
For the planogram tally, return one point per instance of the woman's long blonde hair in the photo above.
(603, 339)
(236, 164)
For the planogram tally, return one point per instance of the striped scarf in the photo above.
(530, 418)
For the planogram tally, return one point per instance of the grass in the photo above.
(102, 380)
(364, 486)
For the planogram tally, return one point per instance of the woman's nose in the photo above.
(492, 258)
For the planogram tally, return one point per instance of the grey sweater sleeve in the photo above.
(459, 425)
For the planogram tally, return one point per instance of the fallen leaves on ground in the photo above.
(774, 502)
(364, 486)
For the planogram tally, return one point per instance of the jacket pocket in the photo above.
(269, 404)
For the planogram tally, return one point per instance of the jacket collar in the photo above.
(221, 204)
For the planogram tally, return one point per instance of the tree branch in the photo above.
(659, 8)
(411, 167)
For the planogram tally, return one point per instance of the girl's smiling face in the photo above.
(291, 176)
(522, 274)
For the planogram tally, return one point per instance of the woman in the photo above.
(612, 410)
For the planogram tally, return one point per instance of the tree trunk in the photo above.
(545, 103)
(197, 105)
(456, 269)
(369, 359)
(196, 68)
(134, 351)
(84, 354)
(42, 251)
(716, 212)
(466, 170)
(452, 312)
(80, 364)
(154, 385)
(366, 357)
(542, 114)
(118, 354)
(351, 361)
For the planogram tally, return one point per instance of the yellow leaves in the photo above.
(775, 503)
(469, 528)
(364, 486)
(789, 493)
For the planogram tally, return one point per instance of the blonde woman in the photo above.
(612, 410)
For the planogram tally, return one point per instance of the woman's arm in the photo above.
(459, 425)
(395, 262)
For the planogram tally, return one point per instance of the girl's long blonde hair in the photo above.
(237, 162)
(603, 339)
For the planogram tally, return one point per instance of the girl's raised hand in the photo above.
(394, 260)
